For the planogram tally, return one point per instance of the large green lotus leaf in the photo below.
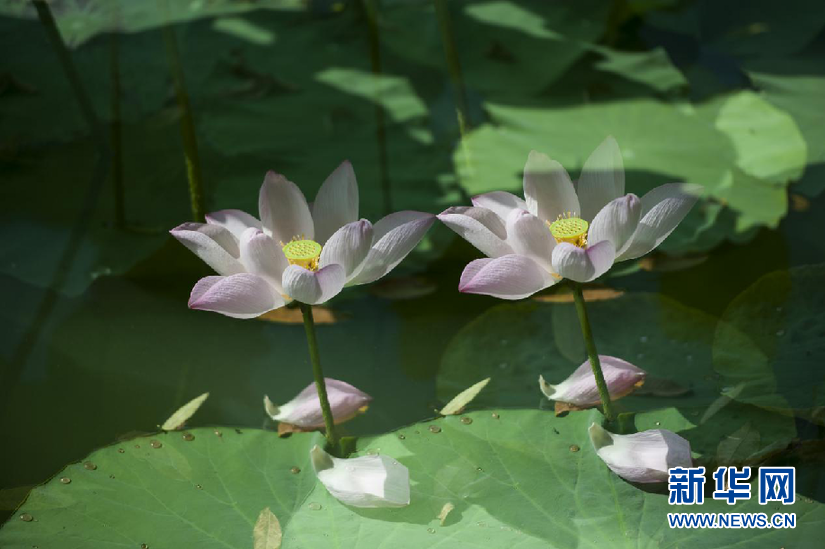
(770, 345)
(81, 20)
(514, 478)
(652, 68)
(745, 28)
(797, 85)
(504, 47)
(660, 142)
(515, 343)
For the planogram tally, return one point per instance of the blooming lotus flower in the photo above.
(641, 457)
(295, 251)
(367, 481)
(305, 409)
(561, 230)
(580, 388)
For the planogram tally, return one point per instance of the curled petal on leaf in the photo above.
(241, 295)
(641, 457)
(367, 481)
(580, 388)
(305, 409)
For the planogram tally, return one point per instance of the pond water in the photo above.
(97, 343)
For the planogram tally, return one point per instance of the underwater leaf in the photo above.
(462, 399)
(182, 415)
(514, 478)
(652, 68)
(770, 342)
(267, 532)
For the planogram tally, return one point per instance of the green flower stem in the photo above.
(318, 374)
(117, 136)
(592, 354)
(442, 12)
(187, 126)
(371, 10)
(44, 13)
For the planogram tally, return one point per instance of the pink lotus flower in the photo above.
(580, 388)
(294, 251)
(641, 457)
(561, 230)
(305, 409)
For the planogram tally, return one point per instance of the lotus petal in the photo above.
(367, 481)
(641, 457)
(580, 388)
(305, 409)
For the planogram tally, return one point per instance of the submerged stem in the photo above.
(318, 374)
(592, 354)
(44, 13)
(187, 126)
(371, 9)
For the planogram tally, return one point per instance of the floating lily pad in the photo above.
(770, 344)
(515, 343)
(513, 478)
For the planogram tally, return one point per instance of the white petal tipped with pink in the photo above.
(305, 409)
(641, 457)
(367, 481)
(580, 388)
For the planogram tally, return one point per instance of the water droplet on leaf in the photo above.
(496, 416)
(574, 448)
(156, 444)
(466, 420)
(314, 506)
(90, 466)
(188, 437)
(65, 480)
(25, 517)
(295, 470)
(431, 530)
(435, 429)
(401, 437)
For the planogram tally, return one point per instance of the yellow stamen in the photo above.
(571, 229)
(304, 253)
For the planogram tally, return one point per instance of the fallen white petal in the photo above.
(367, 481)
(641, 457)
